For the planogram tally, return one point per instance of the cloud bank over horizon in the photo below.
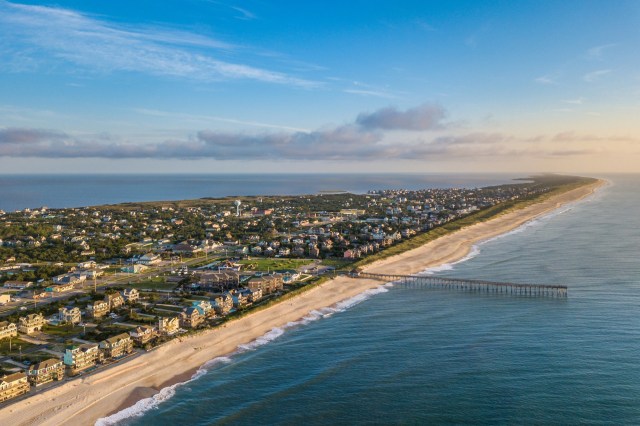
(372, 136)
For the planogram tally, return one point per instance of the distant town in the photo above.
(84, 288)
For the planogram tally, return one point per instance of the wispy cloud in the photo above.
(245, 15)
(547, 79)
(53, 36)
(577, 101)
(597, 52)
(374, 93)
(209, 118)
(595, 75)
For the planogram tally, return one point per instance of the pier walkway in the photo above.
(429, 281)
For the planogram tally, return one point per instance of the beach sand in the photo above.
(85, 400)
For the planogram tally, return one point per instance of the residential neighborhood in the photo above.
(85, 288)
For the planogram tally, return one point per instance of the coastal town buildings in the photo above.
(130, 295)
(114, 300)
(81, 357)
(45, 371)
(13, 385)
(223, 304)
(18, 285)
(142, 335)
(7, 330)
(97, 309)
(31, 323)
(116, 346)
(70, 315)
(205, 307)
(168, 325)
(191, 317)
(267, 284)
(240, 299)
(134, 269)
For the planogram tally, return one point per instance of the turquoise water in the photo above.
(417, 356)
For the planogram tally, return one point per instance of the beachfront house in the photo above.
(168, 325)
(80, 357)
(223, 304)
(205, 306)
(191, 317)
(240, 299)
(267, 283)
(30, 323)
(116, 346)
(13, 385)
(254, 295)
(141, 335)
(45, 371)
(70, 315)
(130, 295)
(7, 330)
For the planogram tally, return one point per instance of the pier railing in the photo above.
(479, 286)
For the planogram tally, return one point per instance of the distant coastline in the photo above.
(75, 190)
(118, 387)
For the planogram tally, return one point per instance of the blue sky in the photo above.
(363, 86)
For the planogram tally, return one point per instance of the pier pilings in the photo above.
(475, 286)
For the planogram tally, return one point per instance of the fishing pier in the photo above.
(475, 286)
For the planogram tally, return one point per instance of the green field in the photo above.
(64, 330)
(336, 263)
(17, 344)
(274, 264)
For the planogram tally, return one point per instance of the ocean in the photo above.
(18, 192)
(397, 355)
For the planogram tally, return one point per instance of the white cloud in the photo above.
(546, 79)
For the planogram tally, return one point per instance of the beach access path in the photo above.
(87, 399)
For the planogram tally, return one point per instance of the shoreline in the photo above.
(106, 392)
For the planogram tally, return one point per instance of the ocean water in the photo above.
(419, 356)
(76, 190)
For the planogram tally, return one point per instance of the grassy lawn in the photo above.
(16, 345)
(274, 264)
(336, 263)
(64, 330)
(153, 284)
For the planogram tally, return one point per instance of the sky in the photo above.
(257, 86)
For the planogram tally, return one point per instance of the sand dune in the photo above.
(85, 400)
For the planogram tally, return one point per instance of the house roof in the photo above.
(119, 337)
(45, 364)
(13, 377)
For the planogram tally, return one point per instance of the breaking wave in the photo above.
(165, 394)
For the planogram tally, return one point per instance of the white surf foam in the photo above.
(475, 249)
(147, 404)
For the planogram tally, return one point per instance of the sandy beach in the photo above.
(85, 400)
